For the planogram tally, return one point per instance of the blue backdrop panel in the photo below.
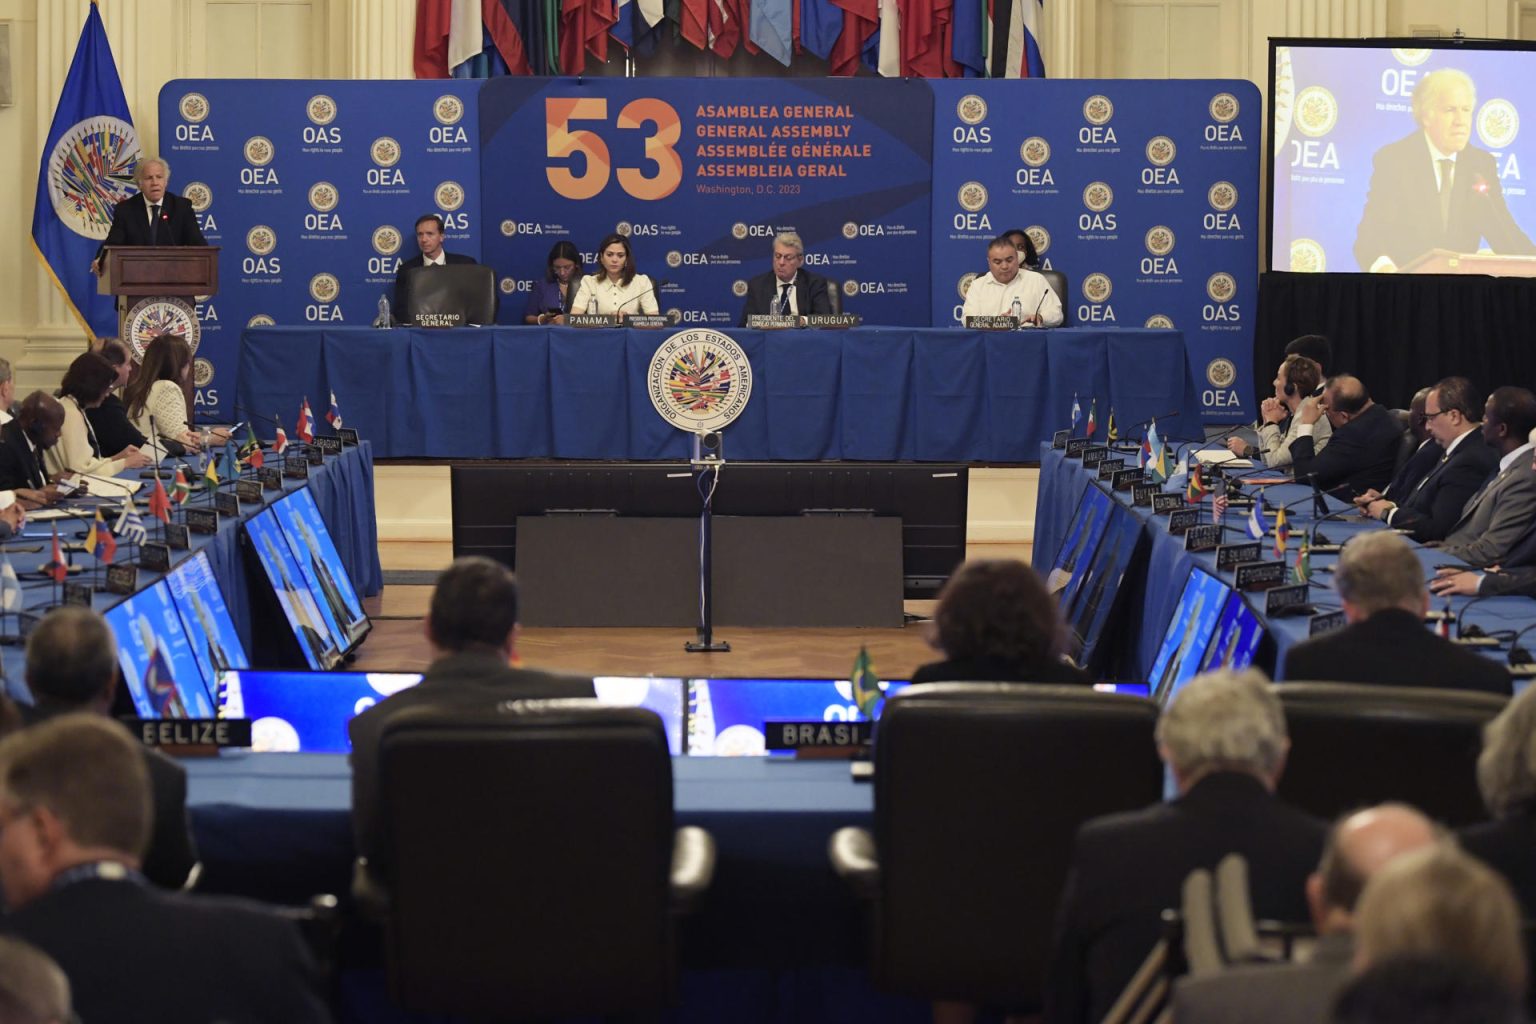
(1144, 193)
(336, 173)
(701, 173)
(1358, 99)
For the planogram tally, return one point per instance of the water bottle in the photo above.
(1016, 310)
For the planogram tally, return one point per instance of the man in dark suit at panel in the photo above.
(1302, 993)
(72, 667)
(472, 626)
(1499, 515)
(1515, 573)
(154, 216)
(1381, 586)
(35, 429)
(1224, 738)
(1362, 452)
(1431, 190)
(429, 238)
(788, 289)
(1431, 507)
(1425, 456)
(74, 816)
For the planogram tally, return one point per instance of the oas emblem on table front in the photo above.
(149, 318)
(699, 380)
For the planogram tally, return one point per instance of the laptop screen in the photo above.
(159, 664)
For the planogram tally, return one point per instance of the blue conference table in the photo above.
(1063, 480)
(878, 394)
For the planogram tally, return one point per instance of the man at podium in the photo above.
(1433, 191)
(154, 216)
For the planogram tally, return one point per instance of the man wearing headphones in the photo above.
(1297, 378)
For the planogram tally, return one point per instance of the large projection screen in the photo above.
(1401, 155)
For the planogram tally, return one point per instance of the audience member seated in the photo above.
(157, 403)
(616, 289)
(995, 622)
(1297, 378)
(472, 627)
(1358, 845)
(33, 990)
(1317, 348)
(72, 667)
(109, 421)
(1028, 257)
(1506, 775)
(1362, 453)
(1498, 516)
(787, 288)
(74, 818)
(1425, 990)
(550, 299)
(23, 441)
(1223, 737)
(1441, 902)
(1380, 583)
(1008, 290)
(1431, 507)
(87, 382)
(1515, 573)
(1424, 457)
(7, 391)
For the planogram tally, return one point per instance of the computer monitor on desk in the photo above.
(455, 295)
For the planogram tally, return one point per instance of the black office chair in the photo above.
(835, 295)
(1409, 444)
(532, 867)
(1354, 745)
(1058, 282)
(979, 790)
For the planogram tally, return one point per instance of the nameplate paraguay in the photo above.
(1287, 600)
(202, 520)
(992, 323)
(833, 321)
(327, 444)
(592, 320)
(122, 578)
(1230, 556)
(809, 735)
(1167, 503)
(192, 732)
(769, 322)
(1260, 575)
(1202, 538)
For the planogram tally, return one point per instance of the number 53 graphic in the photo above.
(563, 141)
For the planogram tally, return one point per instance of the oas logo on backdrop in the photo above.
(1160, 322)
(1098, 196)
(448, 109)
(323, 196)
(1498, 123)
(1222, 196)
(1221, 373)
(508, 228)
(1097, 287)
(321, 110)
(674, 259)
(738, 230)
(1221, 286)
(972, 197)
(1224, 108)
(850, 287)
(699, 380)
(739, 288)
(261, 240)
(1159, 240)
(385, 151)
(850, 231)
(623, 227)
(193, 107)
(1035, 151)
(964, 285)
(1040, 237)
(449, 196)
(202, 372)
(1097, 110)
(324, 288)
(971, 109)
(386, 240)
(1161, 151)
(259, 151)
(199, 195)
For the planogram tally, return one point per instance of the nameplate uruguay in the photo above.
(1182, 520)
(1167, 503)
(592, 320)
(810, 735)
(1202, 538)
(769, 322)
(992, 323)
(1230, 556)
(833, 321)
(327, 444)
(192, 732)
(1287, 600)
(1260, 575)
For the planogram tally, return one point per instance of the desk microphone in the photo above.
(659, 283)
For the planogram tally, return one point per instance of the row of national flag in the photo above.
(896, 38)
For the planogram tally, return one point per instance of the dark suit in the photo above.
(995, 670)
(1127, 868)
(130, 223)
(1361, 455)
(134, 953)
(1431, 510)
(1290, 993)
(1394, 648)
(1507, 846)
(114, 430)
(763, 295)
(1402, 211)
(172, 853)
(20, 466)
(472, 680)
(1415, 468)
(398, 309)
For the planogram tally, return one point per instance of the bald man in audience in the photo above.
(1362, 452)
(1300, 993)
(1380, 582)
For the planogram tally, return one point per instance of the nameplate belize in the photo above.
(810, 735)
(592, 320)
(191, 732)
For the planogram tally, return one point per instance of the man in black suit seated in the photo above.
(154, 216)
(1426, 453)
(472, 627)
(1381, 586)
(35, 429)
(1363, 450)
(429, 238)
(74, 816)
(1301, 993)
(1430, 508)
(1224, 738)
(787, 289)
(1431, 190)
(72, 667)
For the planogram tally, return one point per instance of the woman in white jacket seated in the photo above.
(86, 383)
(157, 405)
(615, 288)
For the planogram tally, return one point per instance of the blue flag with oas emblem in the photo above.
(86, 169)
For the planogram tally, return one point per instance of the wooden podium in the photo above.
(1444, 261)
(154, 285)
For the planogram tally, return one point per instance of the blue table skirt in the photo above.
(1062, 482)
(870, 394)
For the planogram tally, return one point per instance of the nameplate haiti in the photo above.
(1094, 454)
(191, 732)
(1125, 479)
(1230, 556)
(1260, 575)
(833, 321)
(592, 320)
(992, 323)
(809, 735)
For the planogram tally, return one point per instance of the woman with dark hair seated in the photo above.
(551, 298)
(616, 288)
(995, 622)
(114, 431)
(86, 383)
